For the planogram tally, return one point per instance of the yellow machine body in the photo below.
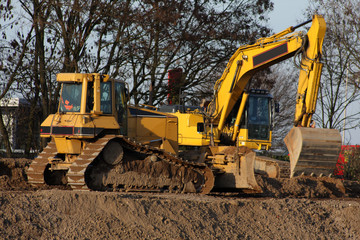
(255, 144)
(153, 128)
(192, 131)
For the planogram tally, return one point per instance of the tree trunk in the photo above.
(5, 136)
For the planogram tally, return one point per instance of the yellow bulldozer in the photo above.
(100, 142)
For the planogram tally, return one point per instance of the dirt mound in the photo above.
(288, 209)
(58, 214)
(302, 187)
(13, 175)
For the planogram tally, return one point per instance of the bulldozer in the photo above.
(98, 142)
(101, 142)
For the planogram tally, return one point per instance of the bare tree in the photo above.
(136, 41)
(13, 49)
(284, 92)
(197, 36)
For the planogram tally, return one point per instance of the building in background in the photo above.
(15, 114)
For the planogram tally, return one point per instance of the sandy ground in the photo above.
(299, 208)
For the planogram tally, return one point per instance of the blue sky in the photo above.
(286, 13)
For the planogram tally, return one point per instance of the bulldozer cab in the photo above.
(93, 94)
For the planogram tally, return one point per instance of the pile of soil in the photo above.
(60, 214)
(302, 187)
(13, 174)
(302, 207)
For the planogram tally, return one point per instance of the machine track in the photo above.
(76, 174)
(35, 172)
(143, 168)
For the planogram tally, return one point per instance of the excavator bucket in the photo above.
(313, 151)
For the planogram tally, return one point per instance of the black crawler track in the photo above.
(144, 168)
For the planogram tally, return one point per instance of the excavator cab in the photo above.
(251, 120)
(257, 121)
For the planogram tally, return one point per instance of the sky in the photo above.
(288, 13)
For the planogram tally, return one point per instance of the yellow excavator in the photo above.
(100, 142)
(241, 116)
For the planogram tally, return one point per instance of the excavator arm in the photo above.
(311, 151)
(249, 59)
(310, 73)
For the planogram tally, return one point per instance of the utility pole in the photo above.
(346, 86)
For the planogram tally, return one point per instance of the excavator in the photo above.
(241, 116)
(100, 142)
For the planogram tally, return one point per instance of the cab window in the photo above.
(120, 105)
(70, 100)
(105, 91)
(90, 97)
(258, 110)
(258, 118)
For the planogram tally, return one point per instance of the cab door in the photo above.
(120, 107)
